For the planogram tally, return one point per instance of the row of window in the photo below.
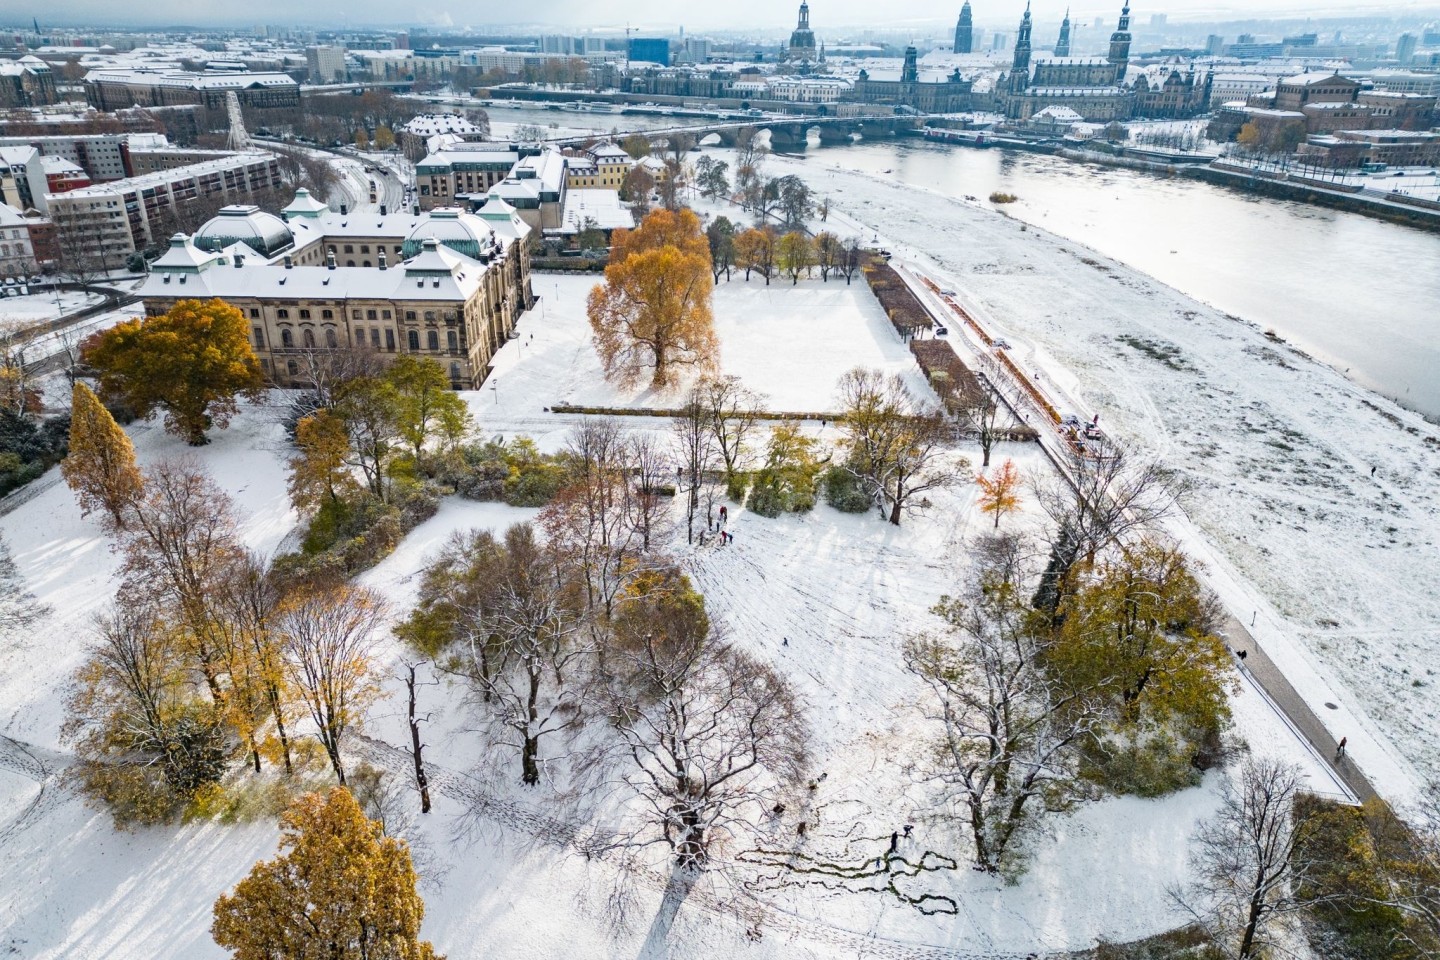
(307, 339)
(283, 313)
(293, 368)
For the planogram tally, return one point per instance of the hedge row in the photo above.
(907, 314)
(672, 412)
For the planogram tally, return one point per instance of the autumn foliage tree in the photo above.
(341, 890)
(193, 363)
(653, 311)
(100, 467)
(1000, 494)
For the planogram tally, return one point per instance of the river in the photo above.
(1358, 293)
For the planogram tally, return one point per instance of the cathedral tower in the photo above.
(802, 40)
(964, 30)
(1120, 44)
(1020, 65)
(1062, 46)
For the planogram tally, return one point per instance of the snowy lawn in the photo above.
(1338, 566)
(791, 343)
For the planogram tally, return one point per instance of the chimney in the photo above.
(344, 209)
(382, 210)
(239, 260)
(382, 259)
(289, 262)
(330, 260)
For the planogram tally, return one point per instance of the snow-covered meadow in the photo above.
(825, 597)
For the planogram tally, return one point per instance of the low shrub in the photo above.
(28, 448)
(843, 491)
(516, 473)
(999, 197)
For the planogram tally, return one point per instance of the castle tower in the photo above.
(1062, 46)
(1120, 44)
(911, 71)
(1020, 65)
(965, 30)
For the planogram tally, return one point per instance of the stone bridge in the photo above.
(787, 134)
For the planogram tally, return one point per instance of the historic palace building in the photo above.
(448, 285)
(1097, 89)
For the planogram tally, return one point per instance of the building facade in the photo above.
(27, 82)
(118, 89)
(17, 254)
(452, 295)
(110, 221)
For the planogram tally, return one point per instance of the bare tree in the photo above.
(646, 504)
(329, 635)
(851, 256)
(1246, 868)
(528, 671)
(982, 414)
(695, 443)
(1106, 497)
(733, 410)
(708, 737)
(422, 782)
(1008, 737)
(897, 445)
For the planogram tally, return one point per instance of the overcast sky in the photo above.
(830, 18)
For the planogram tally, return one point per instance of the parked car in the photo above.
(1002, 345)
(947, 293)
(942, 331)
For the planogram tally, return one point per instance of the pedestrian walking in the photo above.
(1241, 654)
(894, 840)
(1340, 750)
(724, 514)
(785, 642)
(1372, 471)
(908, 828)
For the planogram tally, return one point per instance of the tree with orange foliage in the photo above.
(663, 228)
(653, 312)
(1000, 494)
(192, 362)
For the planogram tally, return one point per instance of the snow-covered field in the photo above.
(1340, 567)
(825, 597)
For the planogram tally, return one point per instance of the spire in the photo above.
(1062, 46)
(804, 23)
(1120, 44)
(1020, 65)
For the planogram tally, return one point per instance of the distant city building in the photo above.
(22, 177)
(802, 46)
(965, 30)
(327, 64)
(1158, 20)
(1096, 89)
(27, 82)
(649, 50)
(102, 156)
(954, 94)
(1405, 48)
(1214, 43)
(117, 89)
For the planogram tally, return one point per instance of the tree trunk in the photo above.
(895, 513)
(421, 781)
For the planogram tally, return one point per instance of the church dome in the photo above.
(262, 232)
(462, 232)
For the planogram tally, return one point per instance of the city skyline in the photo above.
(654, 15)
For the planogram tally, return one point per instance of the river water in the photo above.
(1358, 293)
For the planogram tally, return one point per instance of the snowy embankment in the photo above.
(1316, 501)
(826, 598)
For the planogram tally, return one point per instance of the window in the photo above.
(349, 248)
(349, 263)
(429, 316)
(409, 314)
(414, 339)
(454, 371)
(385, 314)
(304, 314)
(432, 340)
(365, 248)
(254, 313)
(293, 367)
(260, 337)
(369, 314)
(397, 251)
(330, 338)
(307, 337)
(390, 340)
(375, 337)
(355, 314)
(286, 340)
(327, 314)
(283, 314)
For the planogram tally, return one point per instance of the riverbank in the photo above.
(1331, 558)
